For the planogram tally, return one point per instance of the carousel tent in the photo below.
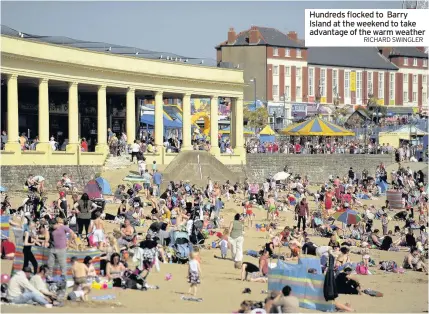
(267, 135)
(316, 127)
(404, 133)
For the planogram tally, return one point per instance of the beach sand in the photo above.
(221, 288)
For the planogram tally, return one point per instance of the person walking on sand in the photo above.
(194, 273)
(236, 239)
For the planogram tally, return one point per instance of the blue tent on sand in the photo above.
(104, 186)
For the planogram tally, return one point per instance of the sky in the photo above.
(191, 29)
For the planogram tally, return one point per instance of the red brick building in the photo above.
(288, 72)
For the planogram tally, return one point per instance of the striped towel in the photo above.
(4, 222)
(41, 254)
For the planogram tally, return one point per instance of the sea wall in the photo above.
(13, 177)
(316, 167)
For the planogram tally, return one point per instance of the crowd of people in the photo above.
(183, 215)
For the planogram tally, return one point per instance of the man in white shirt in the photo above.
(38, 282)
(135, 149)
(21, 291)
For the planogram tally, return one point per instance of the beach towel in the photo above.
(4, 221)
(41, 254)
(133, 178)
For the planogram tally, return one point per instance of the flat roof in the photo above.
(109, 48)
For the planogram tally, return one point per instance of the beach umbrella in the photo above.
(2, 189)
(349, 217)
(279, 176)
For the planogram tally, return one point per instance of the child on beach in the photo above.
(79, 295)
(223, 244)
(249, 213)
(142, 166)
(194, 273)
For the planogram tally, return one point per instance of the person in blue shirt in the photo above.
(157, 179)
(218, 207)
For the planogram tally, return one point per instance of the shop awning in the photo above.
(149, 119)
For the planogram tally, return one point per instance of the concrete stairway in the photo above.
(119, 162)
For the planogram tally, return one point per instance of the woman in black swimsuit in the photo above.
(29, 241)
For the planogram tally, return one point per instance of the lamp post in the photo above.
(254, 89)
(284, 109)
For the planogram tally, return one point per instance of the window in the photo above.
(415, 62)
(380, 85)
(370, 91)
(405, 61)
(287, 71)
(425, 63)
(298, 53)
(298, 92)
(414, 96)
(287, 52)
(276, 70)
(346, 84)
(311, 81)
(275, 51)
(405, 97)
(414, 79)
(298, 72)
(287, 92)
(424, 96)
(335, 83)
(392, 87)
(405, 78)
(424, 79)
(323, 82)
(275, 90)
(358, 85)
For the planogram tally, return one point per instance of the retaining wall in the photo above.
(13, 177)
(317, 167)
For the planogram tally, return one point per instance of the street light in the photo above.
(254, 85)
(284, 108)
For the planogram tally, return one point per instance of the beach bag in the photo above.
(91, 240)
(361, 269)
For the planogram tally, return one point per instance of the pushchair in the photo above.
(196, 237)
(181, 245)
(102, 204)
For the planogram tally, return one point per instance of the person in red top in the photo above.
(297, 148)
(7, 249)
(249, 213)
(84, 145)
(275, 148)
(270, 148)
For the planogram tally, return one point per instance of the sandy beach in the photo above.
(221, 288)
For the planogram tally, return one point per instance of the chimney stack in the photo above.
(253, 35)
(232, 36)
(292, 36)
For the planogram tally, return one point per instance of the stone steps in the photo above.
(119, 162)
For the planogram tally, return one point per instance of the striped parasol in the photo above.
(349, 216)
